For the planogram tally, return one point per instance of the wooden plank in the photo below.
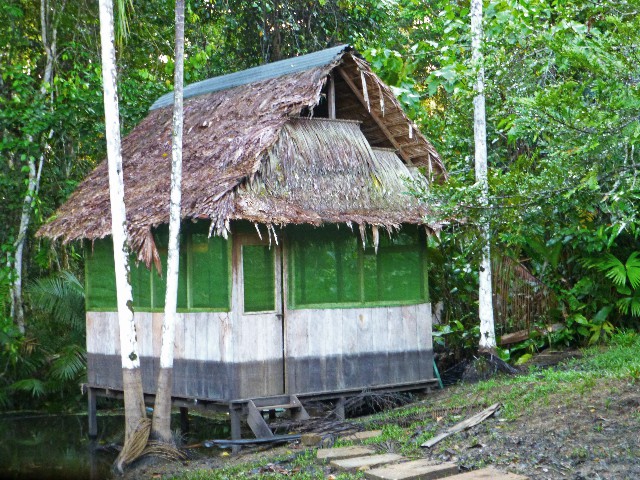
(225, 345)
(179, 351)
(416, 470)
(257, 424)
(328, 454)
(489, 473)
(111, 332)
(190, 334)
(366, 462)
(331, 97)
(468, 423)
(515, 337)
(91, 327)
(156, 333)
(201, 323)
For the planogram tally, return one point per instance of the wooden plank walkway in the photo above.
(396, 467)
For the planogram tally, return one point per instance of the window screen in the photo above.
(326, 270)
(100, 276)
(258, 271)
(159, 282)
(329, 267)
(209, 272)
(203, 282)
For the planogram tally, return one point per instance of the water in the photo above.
(45, 446)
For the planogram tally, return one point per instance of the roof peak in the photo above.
(256, 74)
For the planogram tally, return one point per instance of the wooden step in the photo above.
(328, 454)
(367, 462)
(489, 473)
(414, 470)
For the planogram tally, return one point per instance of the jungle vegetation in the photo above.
(563, 130)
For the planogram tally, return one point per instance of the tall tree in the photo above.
(485, 303)
(161, 425)
(49, 18)
(136, 423)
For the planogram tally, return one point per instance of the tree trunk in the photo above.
(131, 375)
(161, 425)
(485, 304)
(49, 42)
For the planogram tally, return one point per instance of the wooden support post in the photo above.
(236, 426)
(339, 410)
(184, 420)
(92, 413)
(331, 97)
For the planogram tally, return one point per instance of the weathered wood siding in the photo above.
(342, 349)
(215, 357)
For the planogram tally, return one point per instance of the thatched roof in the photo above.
(248, 155)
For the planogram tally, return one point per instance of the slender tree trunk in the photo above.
(485, 304)
(161, 426)
(48, 33)
(131, 375)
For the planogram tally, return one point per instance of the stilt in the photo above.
(92, 413)
(184, 420)
(236, 427)
(339, 410)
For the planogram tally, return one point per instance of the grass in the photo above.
(406, 428)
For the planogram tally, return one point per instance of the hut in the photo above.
(302, 270)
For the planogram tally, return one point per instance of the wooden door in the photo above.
(257, 306)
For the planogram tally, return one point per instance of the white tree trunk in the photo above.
(485, 304)
(161, 426)
(132, 379)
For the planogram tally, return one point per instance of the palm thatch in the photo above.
(247, 155)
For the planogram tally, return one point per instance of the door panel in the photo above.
(257, 326)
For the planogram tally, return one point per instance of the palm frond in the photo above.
(633, 269)
(61, 296)
(629, 304)
(70, 363)
(30, 385)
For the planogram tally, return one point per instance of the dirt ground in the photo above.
(592, 433)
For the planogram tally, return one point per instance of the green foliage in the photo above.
(45, 372)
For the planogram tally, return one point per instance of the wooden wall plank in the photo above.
(202, 322)
(190, 334)
(179, 351)
(157, 319)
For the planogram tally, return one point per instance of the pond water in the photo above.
(57, 446)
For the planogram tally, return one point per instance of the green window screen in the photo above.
(141, 285)
(330, 267)
(326, 270)
(209, 272)
(159, 283)
(204, 274)
(100, 276)
(258, 269)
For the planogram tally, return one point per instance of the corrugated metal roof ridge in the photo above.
(256, 74)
